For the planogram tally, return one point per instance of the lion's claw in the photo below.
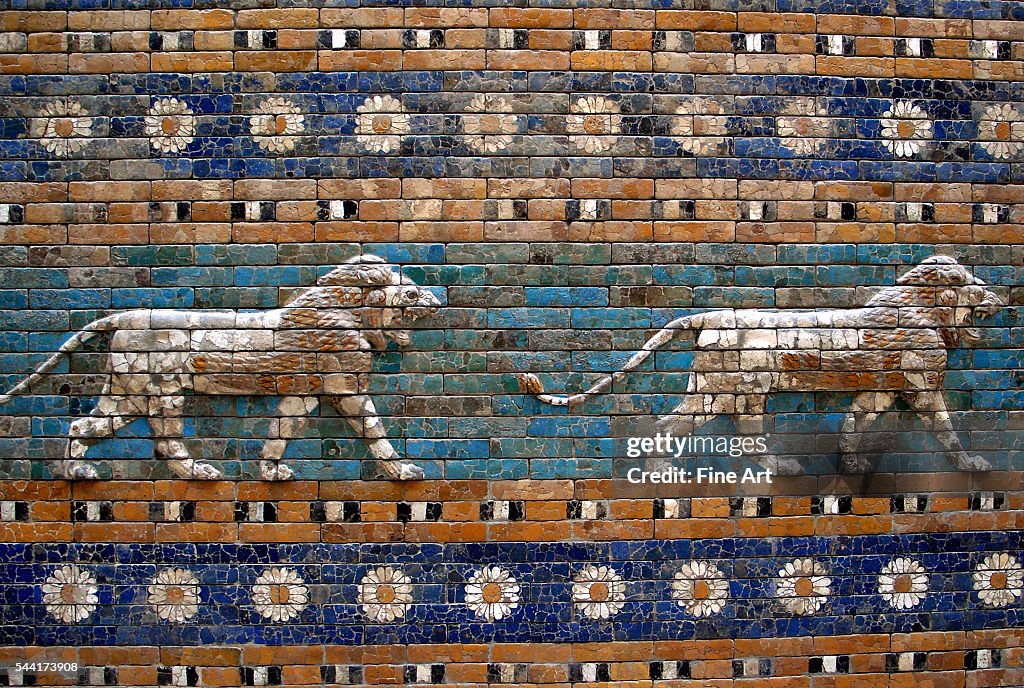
(973, 462)
(401, 470)
(781, 465)
(76, 470)
(271, 470)
(853, 463)
(189, 469)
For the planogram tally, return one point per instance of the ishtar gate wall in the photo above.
(546, 186)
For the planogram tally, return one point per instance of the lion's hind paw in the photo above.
(76, 470)
(973, 462)
(400, 470)
(271, 470)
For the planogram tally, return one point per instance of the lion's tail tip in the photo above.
(4, 398)
(530, 384)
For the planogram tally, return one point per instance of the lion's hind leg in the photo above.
(864, 411)
(112, 412)
(291, 419)
(931, 407)
(694, 411)
(169, 427)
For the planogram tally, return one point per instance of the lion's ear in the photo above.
(361, 271)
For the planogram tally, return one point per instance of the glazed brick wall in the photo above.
(565, 178)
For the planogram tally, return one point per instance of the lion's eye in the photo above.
(409, 295)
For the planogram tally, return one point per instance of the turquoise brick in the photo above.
(462, 275)
(152, 255)
(561, 468)
(734, 297)
(512, 447)
(447, 448)
(143, 297)
(611, 318)
(527, 317)
(411, 383)
(692, 275)
(13, 298)
(235, 254)
(236, 297)
(191, 276)
(566, 296)
(479, 383)
(854, 275)
(775, 276)
(568, 426)
(69, 298)
(34, 278)
(488, 253)
(279, 275)
(487, 469)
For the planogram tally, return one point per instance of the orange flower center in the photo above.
(593, 124)
(701, 590)
(906, 128)
(279, 594)
(69, 594)
(804, 587)
(381, 124)
(598, 592)
(802, 127)
(280, 124)
(491, 593)
(903, 583)
(174, 594)
(64, 127)
(385, 594)
(169, 126)
(1002, 130)
(997, 580)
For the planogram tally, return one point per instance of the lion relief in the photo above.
(893, 347)
(316, 348)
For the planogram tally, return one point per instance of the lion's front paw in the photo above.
(972, 462)
(193, 470)
(781, 465)
(401, 470)
(271, 470)
(854, 463)
(76, 470)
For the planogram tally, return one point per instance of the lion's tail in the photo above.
(75, 342)
(532, 384)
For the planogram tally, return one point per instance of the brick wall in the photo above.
(564, 181)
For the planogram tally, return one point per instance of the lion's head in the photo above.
(946, 294)
(384, 299)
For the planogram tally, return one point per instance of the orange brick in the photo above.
(276, 61)
(291, 18)
(360, 60)
(531, 18)
(178, 20)
(193, 62)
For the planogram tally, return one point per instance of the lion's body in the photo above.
(758, 351)
(894, 347)
(318, 347)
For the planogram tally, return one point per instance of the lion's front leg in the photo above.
(931, 407)
(292, 416)
(865, 410)
(361, 415)
(169, 428)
